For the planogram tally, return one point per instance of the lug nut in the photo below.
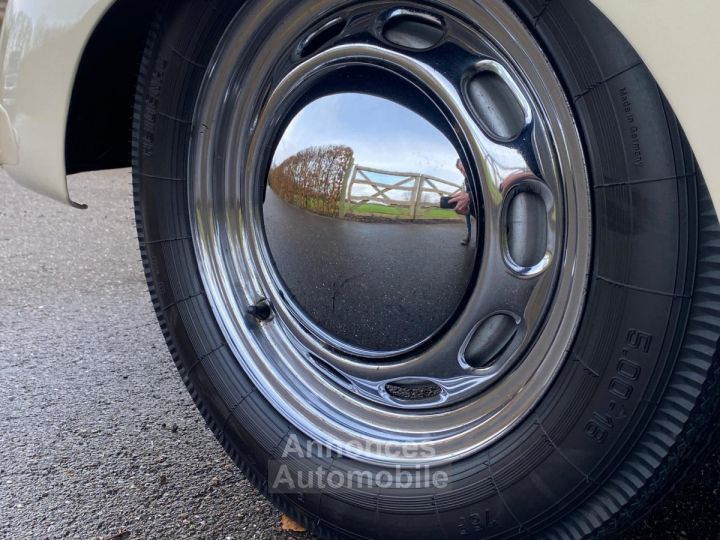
(262, 310)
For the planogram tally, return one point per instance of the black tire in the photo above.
(638, 394)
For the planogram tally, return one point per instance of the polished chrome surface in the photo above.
(354, 225)
(482, 365)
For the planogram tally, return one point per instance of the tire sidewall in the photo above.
(617, 371)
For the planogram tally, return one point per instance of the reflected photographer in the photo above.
(461, 203)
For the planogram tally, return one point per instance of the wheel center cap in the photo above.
(357, 220)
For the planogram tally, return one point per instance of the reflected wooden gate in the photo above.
(410, 194)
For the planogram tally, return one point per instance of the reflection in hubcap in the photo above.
(354, 221)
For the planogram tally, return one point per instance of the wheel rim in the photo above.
(334, 391)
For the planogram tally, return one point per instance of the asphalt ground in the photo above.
(98, 437)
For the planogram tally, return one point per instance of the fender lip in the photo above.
(41, 44)
(8, 140)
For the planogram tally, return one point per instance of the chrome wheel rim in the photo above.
(335, 392)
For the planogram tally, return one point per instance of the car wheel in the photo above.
(371, 374)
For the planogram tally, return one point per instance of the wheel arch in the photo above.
(100, 112)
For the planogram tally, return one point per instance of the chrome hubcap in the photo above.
(373, 263)
(370, 322)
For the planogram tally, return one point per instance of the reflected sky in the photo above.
(383, 135)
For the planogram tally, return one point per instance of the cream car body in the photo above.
(43, 42)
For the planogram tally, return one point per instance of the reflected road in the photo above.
(380, 285)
